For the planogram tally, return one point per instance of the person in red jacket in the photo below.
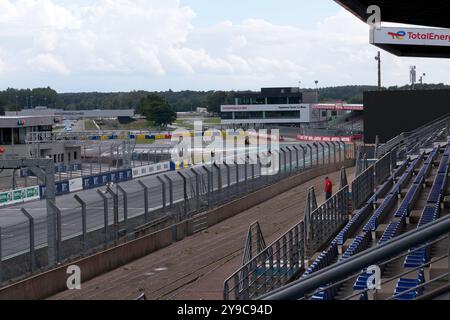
(328, 188)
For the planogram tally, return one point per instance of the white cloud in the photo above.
(154, 41)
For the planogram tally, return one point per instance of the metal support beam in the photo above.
(185, 194)
(83, 221)
(197, 187)
(58, 230)
(105, 215)
(115, 197)
(310, 148)
(297, 157)
(219, 176)
(170, 190)
(163, 185)
(125, 206)
(208, 172)
(323, 152)
(329, 152)
(145, 188)
(290, 159)
(1, 255)
(32, 241)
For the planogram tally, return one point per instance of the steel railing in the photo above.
(349, 267)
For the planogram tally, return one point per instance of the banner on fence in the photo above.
(75, 185)
(150, 169)
(61, 187)
(328, 139)
(19, 195)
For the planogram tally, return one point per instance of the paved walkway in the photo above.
(196, 267)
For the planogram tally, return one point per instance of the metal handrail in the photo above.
(381, 264)
(419, 286)
(360, 261)
(407, 135)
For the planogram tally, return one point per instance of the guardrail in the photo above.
(283, 260)
(363, 187)
(115, 214)
(351, 267)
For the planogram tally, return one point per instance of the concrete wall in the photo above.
(51, 282)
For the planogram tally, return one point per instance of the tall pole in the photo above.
(378, 58)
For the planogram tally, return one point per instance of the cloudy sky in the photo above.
(122, 45)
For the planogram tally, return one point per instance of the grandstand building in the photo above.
(271, 106)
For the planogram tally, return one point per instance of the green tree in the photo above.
(216, 99)
(156, 109)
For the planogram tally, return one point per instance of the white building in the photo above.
(271, 106)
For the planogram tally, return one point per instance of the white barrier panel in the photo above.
(150, 169)
(75, 185)
(19, 195)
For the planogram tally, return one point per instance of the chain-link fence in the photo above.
(97, 219)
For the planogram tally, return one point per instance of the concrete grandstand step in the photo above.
(380, 230)
(415, 216)
(429, 182)
(446, 202)
(386, 290)
(438, 268)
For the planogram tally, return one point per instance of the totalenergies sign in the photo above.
(411, 36)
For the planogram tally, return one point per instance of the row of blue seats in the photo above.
(394, 229)
(438, 189)
(405, 284)
(447, 150)
(426, 168)
(352, 226)
(359, 244)
(380, 213)
(411, 197)
(323, 260)
(385, 188)
(405, 178)
(416, 258)
(400, 170)
(390, 200)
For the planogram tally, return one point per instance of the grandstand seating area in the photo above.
(417, 184)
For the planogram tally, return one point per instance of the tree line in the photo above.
(180, 101)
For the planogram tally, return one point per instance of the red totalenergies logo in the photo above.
(400, 35)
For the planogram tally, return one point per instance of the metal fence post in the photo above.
(146, 213)
(228, 174)
(323, 152)
(185, 194)
(83, 221)
(297, 157)
(170, 190)
(284, 159)
(209, 184)
(237, 176)
(32, 242)
(1, 263)
(219, 177)
(116, 212)
(197, 187)
(125, 206)
(329, 152)
(310, 155)
(163, 184)
(334, 152)
(290, 159)
(105, 215)
(58, 230)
